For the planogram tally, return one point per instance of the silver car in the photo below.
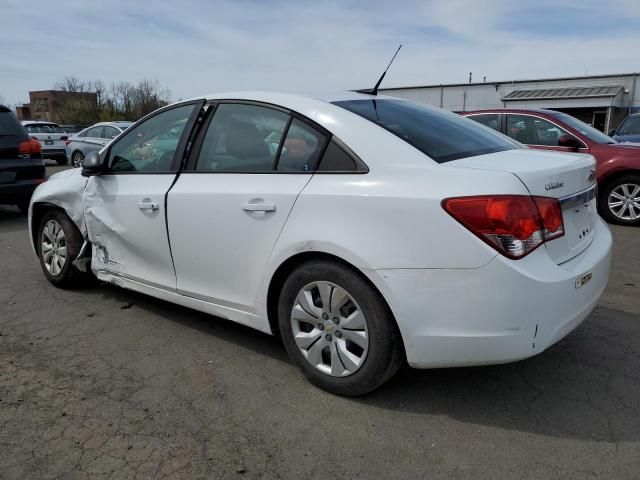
(92, 139)
(52, 139)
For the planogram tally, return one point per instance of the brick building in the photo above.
(52, 105)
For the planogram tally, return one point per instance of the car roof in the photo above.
(544, 111)
(117, 123)
(287, 99)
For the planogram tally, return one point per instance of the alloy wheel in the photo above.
(624, 201)
(77, 159)
(53, 247)
(330, 329)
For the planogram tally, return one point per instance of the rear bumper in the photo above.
(504, 311)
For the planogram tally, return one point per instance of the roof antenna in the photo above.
(374, 90)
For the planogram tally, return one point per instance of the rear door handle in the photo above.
(148, 206)
(259, 207)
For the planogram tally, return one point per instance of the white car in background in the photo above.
(365, 230)
(93, 138)
(52, 138)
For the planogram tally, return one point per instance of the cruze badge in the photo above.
(591, 176)
(553, 185)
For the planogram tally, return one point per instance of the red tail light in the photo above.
(65, 138)
(515, 225)
(29, 146)
(66, 141)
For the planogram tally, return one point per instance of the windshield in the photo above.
(43, 128)
(630, 126)
(441, 135)
(588, 131)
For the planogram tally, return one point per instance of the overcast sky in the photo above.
(197, 46)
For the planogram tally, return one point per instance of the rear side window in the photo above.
(242, 139)
(441, 135)
(95, 132)
(335, 159)
(302, 147)
(9, 126)
(491, 120)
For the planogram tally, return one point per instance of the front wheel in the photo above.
(620, 200)
(58, 244)
(337, 329)
(77, 158)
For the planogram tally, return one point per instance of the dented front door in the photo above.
(124, 209)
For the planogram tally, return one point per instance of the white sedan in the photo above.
(367, 231)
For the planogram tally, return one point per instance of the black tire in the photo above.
(69, 276)
(385, 350)
(76, 158)
(603, 201)
(62, 161)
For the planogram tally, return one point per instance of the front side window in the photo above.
(588, 131)
(110, 132)
(442, 136)
(630, 126)
(242, 138)
(151, 146)
(534, 131)
(491, 120)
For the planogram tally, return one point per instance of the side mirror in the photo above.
(569, 141)
(92, 165)
(612, 132)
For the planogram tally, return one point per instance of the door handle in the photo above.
(148, 206)
(259, 207)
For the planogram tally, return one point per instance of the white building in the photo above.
(601, 100)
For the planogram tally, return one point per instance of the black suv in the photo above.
(21, 165)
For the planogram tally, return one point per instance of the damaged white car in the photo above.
(368, 231)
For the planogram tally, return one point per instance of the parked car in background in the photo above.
(51, 137)
(74, 128)
(617, 167)
(93, 139)
(629, 129)
(377, 231)
(21, 165)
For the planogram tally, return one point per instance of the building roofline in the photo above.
(506, 82)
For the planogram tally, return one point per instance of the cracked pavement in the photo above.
(103, 383)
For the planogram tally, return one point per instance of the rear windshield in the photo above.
(441, 135)
(40, 128)
(9, 126)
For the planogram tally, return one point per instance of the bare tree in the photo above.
(120, 101)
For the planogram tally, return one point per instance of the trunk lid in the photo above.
(569, 177)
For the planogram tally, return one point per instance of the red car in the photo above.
(618, 164)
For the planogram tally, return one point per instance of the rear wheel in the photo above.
(338, 329)
(620, 200)
(77, 158)
(58, 244)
